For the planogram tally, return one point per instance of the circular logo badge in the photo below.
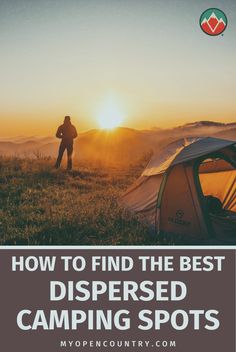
(179, 214)
(213, 22)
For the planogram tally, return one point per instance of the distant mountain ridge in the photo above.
(205, 123)
(119, 145)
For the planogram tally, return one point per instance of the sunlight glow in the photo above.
(110, 116)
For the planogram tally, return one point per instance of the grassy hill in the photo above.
(39, 205)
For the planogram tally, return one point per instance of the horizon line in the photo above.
(216, 123)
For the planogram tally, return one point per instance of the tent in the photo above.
(172, 191)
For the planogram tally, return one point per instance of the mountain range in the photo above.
(118, 145)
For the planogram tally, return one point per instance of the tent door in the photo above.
(217, 180)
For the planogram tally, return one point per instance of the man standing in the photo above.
(67, 133)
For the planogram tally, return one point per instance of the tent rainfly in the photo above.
(174, 189)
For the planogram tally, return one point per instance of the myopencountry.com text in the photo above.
(162, 344)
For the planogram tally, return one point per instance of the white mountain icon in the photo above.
(213, 22)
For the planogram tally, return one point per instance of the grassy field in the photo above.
(40, 205)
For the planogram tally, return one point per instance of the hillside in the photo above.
(43, 206)
(120, 145)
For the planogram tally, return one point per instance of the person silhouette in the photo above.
(67, 133)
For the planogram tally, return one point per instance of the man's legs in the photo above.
(60, 155)
(69, 156)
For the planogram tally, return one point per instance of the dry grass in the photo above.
(40, 205)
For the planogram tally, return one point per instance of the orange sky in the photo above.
(152, 61)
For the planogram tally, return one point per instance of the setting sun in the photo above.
(110, 116)
(110, 121)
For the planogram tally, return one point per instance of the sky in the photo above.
(146, 62)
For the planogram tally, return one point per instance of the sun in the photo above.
(110, 121)
(110, 116)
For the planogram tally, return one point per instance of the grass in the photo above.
(43, 206)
